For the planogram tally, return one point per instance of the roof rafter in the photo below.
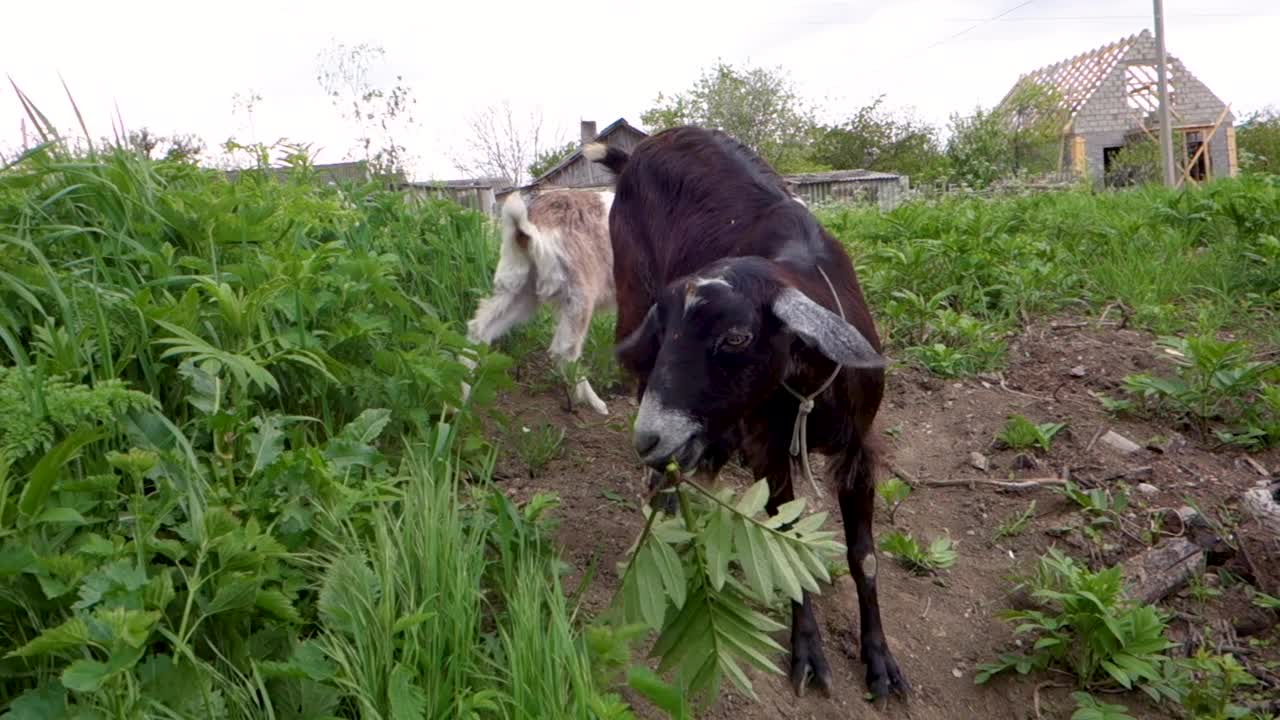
(1075, 79)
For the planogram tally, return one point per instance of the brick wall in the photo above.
(1106, 118)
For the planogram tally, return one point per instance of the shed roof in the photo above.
(602, 135)
(478, 182)
(840, 175)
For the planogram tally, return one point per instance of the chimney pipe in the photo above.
(588, 131)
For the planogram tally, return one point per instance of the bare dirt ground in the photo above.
(941, 626)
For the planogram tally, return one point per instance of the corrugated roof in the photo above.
(839, 175)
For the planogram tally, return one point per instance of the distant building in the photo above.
(1111, 98)
(849, 186)
(575, 170)
(476, 193)
(355, 171)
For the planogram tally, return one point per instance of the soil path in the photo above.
(941, 626)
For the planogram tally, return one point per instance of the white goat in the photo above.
(554, 250)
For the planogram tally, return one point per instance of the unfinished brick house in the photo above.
(1110, 98)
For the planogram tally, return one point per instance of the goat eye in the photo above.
(736, 340)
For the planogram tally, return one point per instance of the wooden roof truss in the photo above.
(1076, 79)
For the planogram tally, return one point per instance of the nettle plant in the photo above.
(708, 579)
(1086, 627)
(1216, 382)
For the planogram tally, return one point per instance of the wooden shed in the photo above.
(849, 186)
(479, 194)
(575, 170)
(1110, 96)
(330, 173)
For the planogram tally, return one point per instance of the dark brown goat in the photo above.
(727, 319)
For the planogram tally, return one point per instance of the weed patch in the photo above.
(950, 279)
(236, 474)
(1216, 382)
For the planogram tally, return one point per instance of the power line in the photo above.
(976, 25)
(1079, 18)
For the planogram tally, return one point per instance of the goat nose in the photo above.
(645, 442)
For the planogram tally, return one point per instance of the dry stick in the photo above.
(1258, 578)
(1035, 695)
(1257, 466)
(1056, 389)
(1027, 484)
(1005, 386)
(928, 604)
(1124, 316)
(906, 476)
(1096, 435)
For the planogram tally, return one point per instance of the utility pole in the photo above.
(1162, 74)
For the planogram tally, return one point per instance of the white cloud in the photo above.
(174, 68)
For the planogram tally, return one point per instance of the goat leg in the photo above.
(808, 661)
(857, 506)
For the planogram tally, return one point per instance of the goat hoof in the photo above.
(884, 677)
(809, 667)
(583, 393)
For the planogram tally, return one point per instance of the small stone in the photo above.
(1148, 489)
(1120, 443)
(1188, 515)
(1261, 501)
(979, 461)
(1077, 371)
(1169, 445)
(1253, 622)
(956, 673)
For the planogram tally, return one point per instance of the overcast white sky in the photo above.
(174, 66)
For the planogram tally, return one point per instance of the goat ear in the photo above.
(820, 327)
(638, 351)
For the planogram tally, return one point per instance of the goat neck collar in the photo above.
(799, 433)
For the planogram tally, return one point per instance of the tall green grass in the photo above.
(231, 484)
(949, 279)
(448, 605)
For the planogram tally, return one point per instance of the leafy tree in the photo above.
(498, 145)
(1019, 136)
(875, 139)
(757, 106)
(1258, 141)
(180, 147)
(549, 158)
(345, 73)
(1137, 163)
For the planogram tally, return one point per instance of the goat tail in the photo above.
(515, 221)
(528, 253)
(611, 157)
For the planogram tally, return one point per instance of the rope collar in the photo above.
(799, 433)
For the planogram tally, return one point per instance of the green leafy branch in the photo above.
(680, 581)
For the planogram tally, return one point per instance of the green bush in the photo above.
(949, 280)
(236, 476)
